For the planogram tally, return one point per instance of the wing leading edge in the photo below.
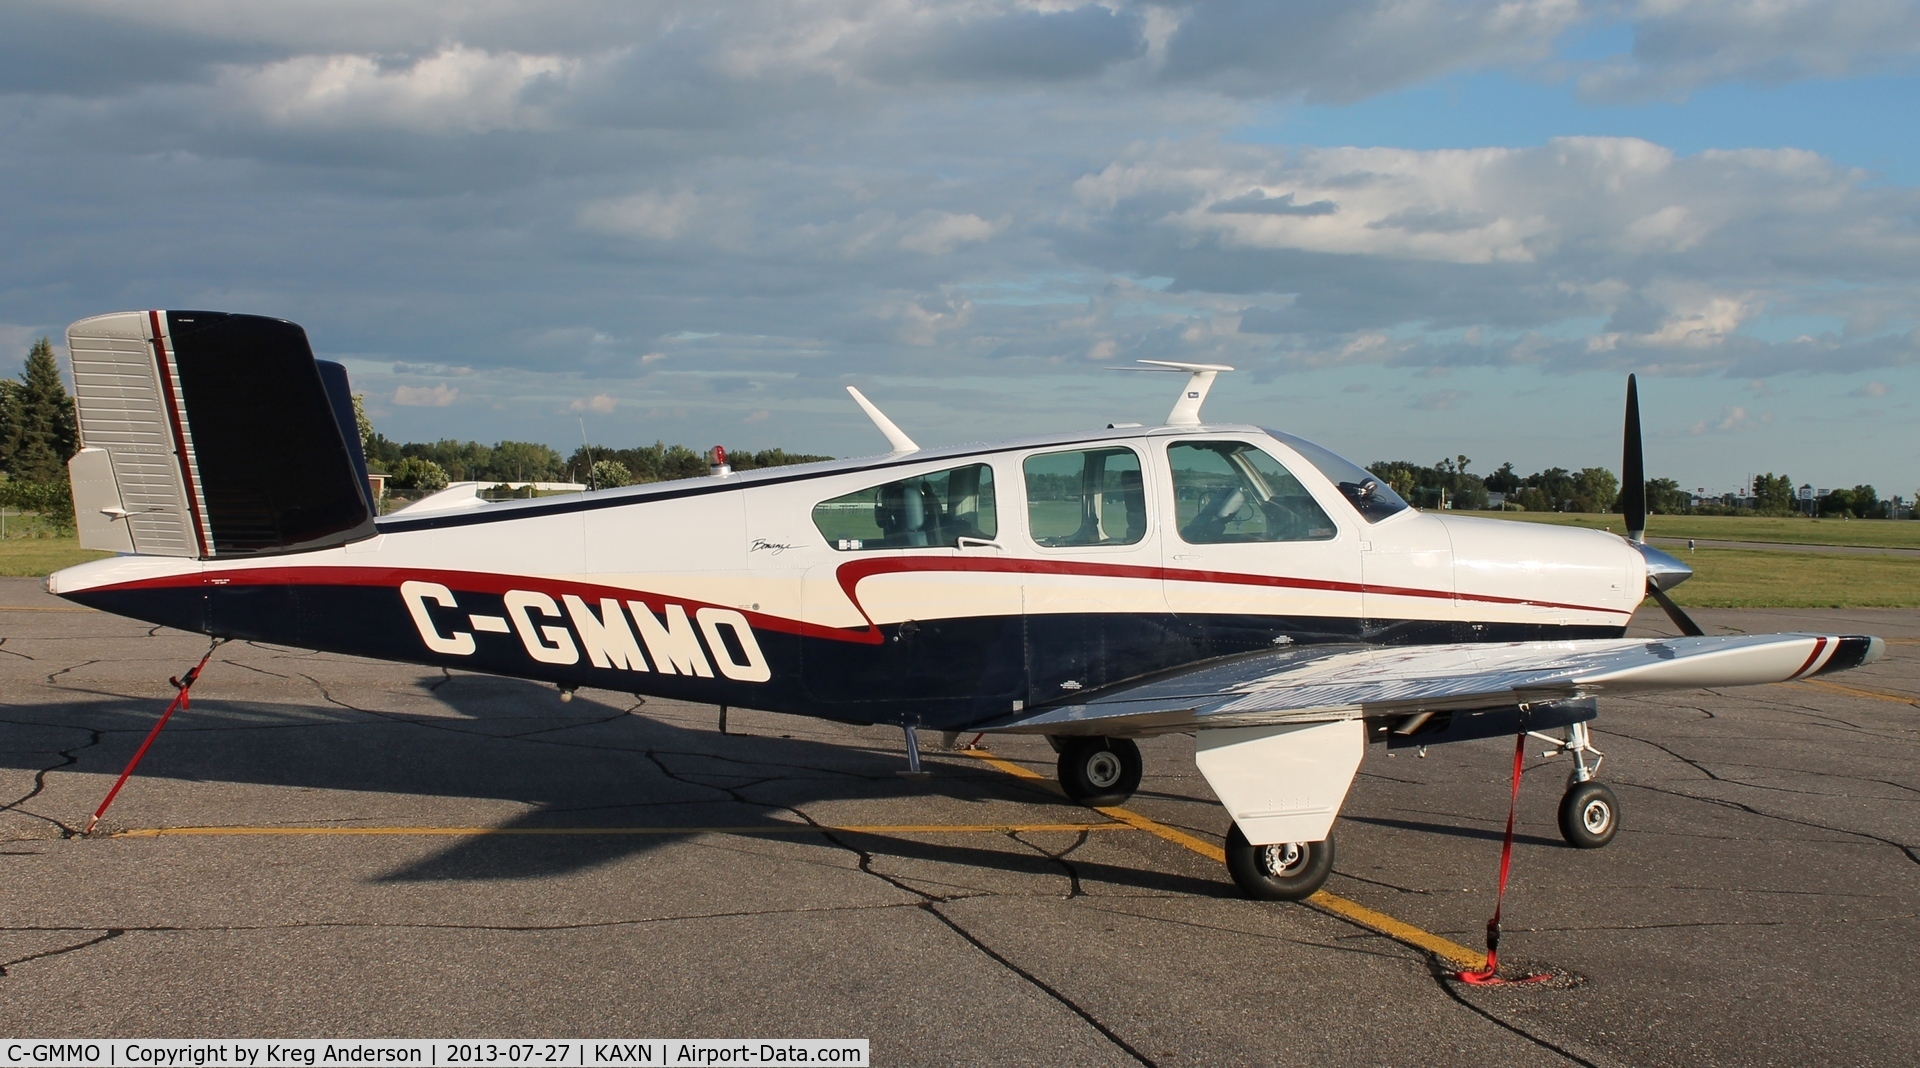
(1330, 683)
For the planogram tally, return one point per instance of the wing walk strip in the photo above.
(1331, 904)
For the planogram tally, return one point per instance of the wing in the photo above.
(1337, 682)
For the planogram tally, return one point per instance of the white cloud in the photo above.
(1680, 45)
(439, 395)
(601, 403)
(454, 90)
(944, 192)
(937, 233)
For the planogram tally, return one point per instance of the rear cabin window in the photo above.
(1086, 497)
(938, 508)
(1229, 491)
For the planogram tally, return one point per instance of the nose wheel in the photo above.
(1589, 811)
(1099, 772)
(1589, 815)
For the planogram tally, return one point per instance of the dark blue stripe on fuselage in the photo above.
(943, 674)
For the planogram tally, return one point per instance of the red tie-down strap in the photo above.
(1489, 976)
(179, 701)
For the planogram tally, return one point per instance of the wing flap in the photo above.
(1331, 683)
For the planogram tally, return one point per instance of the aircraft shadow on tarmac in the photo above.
(1484, 833)
(587, 763)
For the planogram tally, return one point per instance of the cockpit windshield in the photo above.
(1372, 498)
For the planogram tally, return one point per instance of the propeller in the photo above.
(1664, 571)
(1633, 471)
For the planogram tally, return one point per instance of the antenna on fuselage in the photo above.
(1186, 408)
(895, 436)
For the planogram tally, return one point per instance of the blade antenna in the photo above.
(1633, 470)
(895, 436)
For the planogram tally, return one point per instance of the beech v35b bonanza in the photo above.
(1242, 584)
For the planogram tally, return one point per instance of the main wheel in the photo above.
(1589, 815)
(1289, 871)
(1098, 772)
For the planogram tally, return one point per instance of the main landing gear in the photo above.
(1589, 812)
(1288, 871)
(1098, 772)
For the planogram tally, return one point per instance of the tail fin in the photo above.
(210, 435)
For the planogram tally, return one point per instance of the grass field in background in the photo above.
(43, 556)
(1766, 578)
(1881, 533)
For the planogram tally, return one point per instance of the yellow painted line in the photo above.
(1331, 904)
(1160, 830)
(1855, 691)
(1405, 933)
(853, 828)
(37, 608)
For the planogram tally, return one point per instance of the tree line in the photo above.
(1448, 483)
(422, 467)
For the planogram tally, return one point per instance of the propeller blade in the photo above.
(1674, 612)
(1633, 472)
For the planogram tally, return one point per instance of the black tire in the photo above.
(1589, 815)
(1098, 772)
(1289, 872)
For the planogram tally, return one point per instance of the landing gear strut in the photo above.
(1099, 772)
(1589, 811)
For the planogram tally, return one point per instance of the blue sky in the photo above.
(1419, 227)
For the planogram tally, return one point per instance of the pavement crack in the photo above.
(1441, 977)
(931, 908)
(111, 934)
(1072, 870)
(10, 652)
(1909, 851)
(68, 757)
(71, 667)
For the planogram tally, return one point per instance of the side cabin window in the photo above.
(937, 508)
(1229, 491)
(1086, 497)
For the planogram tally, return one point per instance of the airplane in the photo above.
(1245, 585)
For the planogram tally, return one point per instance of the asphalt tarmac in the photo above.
(1761, 905)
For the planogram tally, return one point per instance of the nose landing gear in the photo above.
(1589, 811)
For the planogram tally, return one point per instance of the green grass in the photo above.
(43, 556)
(1880, 533)
(1766, 578)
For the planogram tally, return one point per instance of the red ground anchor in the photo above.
(179, 701)
(1489, 976)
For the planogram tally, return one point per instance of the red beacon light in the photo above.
(717, 465)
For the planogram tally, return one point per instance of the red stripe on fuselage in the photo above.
(851, 572)
(179, 434)
(849, 575)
